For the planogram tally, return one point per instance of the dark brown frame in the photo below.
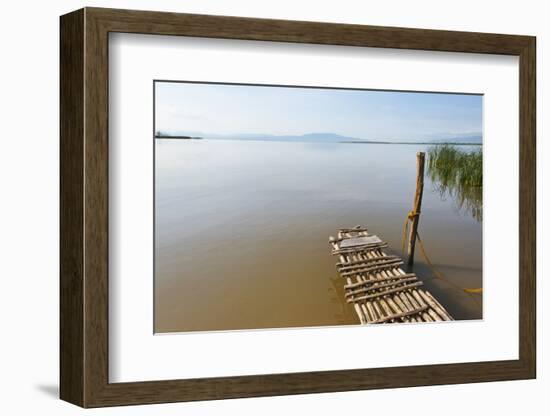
(84, 211)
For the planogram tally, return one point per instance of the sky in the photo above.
(224, 109)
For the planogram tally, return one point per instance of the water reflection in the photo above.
(458, 174)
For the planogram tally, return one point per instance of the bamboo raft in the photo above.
(380, 291)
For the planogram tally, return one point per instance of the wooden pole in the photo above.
(417, 204)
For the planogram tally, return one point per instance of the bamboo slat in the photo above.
(382, 279)
(376, 267)
(387, 292)
(373, 287)
(351, 264)
(400, 315)
(356, 249)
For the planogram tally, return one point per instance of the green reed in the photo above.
(459, 174)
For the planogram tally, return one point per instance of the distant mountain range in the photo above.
(319, 138)
(311, 137)
(307, 138)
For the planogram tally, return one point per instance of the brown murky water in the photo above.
(242, 227)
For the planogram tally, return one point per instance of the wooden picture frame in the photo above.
(84, 207)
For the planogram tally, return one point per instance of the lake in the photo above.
(242, 228)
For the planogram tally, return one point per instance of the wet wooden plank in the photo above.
(359, 241)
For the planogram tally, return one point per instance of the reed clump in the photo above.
(459, 174)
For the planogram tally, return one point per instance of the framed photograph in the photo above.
(255, 207)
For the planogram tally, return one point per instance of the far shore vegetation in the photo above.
(162, 135)
(459, 174)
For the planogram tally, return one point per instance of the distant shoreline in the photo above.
(179, 137)
(335, 142)
(426, 143)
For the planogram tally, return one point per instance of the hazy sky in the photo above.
(370, 115)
